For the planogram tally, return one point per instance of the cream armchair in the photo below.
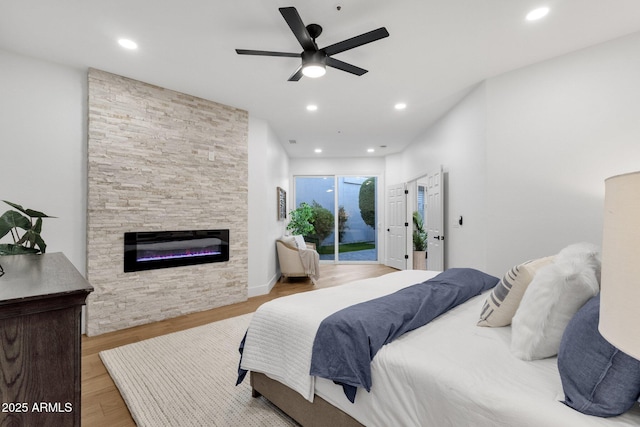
(292, 263)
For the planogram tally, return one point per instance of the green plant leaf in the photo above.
(32, 238)
(367, 202)
(419, 235)
(11, 249)
(28, 239)
(301, 220)
(323, 222)
(29, 212)
(38, 227)
(13, 219)
(41, 244)
(16, 206)
(31, 241)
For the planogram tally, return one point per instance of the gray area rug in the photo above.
(188, 378)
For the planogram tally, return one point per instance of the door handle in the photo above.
(438, 237)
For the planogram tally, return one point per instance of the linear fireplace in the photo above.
(148, 250)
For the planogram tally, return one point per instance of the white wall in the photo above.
(337, 166)
(268, 169)
(526, 154)
(43, 148)
(555, 131)
(457, 142)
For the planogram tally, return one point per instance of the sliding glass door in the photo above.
(345, 216)
(319, 193)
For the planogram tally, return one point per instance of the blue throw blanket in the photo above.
(347, 341)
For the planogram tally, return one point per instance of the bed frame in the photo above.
(317, 414)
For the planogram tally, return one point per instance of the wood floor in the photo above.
(102, 404)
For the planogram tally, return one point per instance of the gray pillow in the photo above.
(597, 378)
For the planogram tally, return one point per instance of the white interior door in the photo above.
(435, 221)
(396, 227)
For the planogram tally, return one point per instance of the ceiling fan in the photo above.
(314, 60)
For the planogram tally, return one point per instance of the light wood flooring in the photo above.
(102, 404)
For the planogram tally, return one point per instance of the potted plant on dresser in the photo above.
(419, 243)
(30, 240)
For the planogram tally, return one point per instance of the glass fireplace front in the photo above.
(148, 250)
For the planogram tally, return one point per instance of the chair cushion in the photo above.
(289, 242)
(300, 241)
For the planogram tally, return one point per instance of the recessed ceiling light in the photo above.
(370, 150)
(400, 106)
(538, 13)
(128, 44)
(318, 150)
(312, 107)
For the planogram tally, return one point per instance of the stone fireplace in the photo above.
(150, 168)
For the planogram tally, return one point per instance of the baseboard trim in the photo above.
(264, 289)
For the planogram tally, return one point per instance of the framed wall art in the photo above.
(282, 204)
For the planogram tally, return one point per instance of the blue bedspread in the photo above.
(347, 341)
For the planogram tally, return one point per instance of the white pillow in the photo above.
(300, 241)
(503, 301)
(583, 252)
(555, 294)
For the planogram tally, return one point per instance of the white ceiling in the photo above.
(437, 50)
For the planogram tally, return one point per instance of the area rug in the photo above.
(188, 378)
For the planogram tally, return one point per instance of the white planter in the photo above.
(419, 260)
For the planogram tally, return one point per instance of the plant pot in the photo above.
(419, 260)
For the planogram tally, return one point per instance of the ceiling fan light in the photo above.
(314, 63)
(314, 70)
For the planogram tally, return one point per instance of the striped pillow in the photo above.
(503, 301)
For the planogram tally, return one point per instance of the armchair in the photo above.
(297, 261)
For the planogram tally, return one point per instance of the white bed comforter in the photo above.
(453, 373)
(280, 337)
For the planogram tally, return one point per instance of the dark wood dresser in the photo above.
(41, 298)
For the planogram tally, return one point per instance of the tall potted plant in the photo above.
(301, 221)
(419, 243)
(28, 220)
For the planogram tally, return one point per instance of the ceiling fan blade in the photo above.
(290, 14)
(266, 53)
(356, 41)
(297, 75)
(340, 65)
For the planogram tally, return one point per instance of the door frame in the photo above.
(412, 187)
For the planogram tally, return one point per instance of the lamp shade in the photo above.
(620, 284)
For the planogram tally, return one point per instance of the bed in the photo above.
(449, 372)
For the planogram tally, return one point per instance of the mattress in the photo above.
(454, 373)
(449, 372)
